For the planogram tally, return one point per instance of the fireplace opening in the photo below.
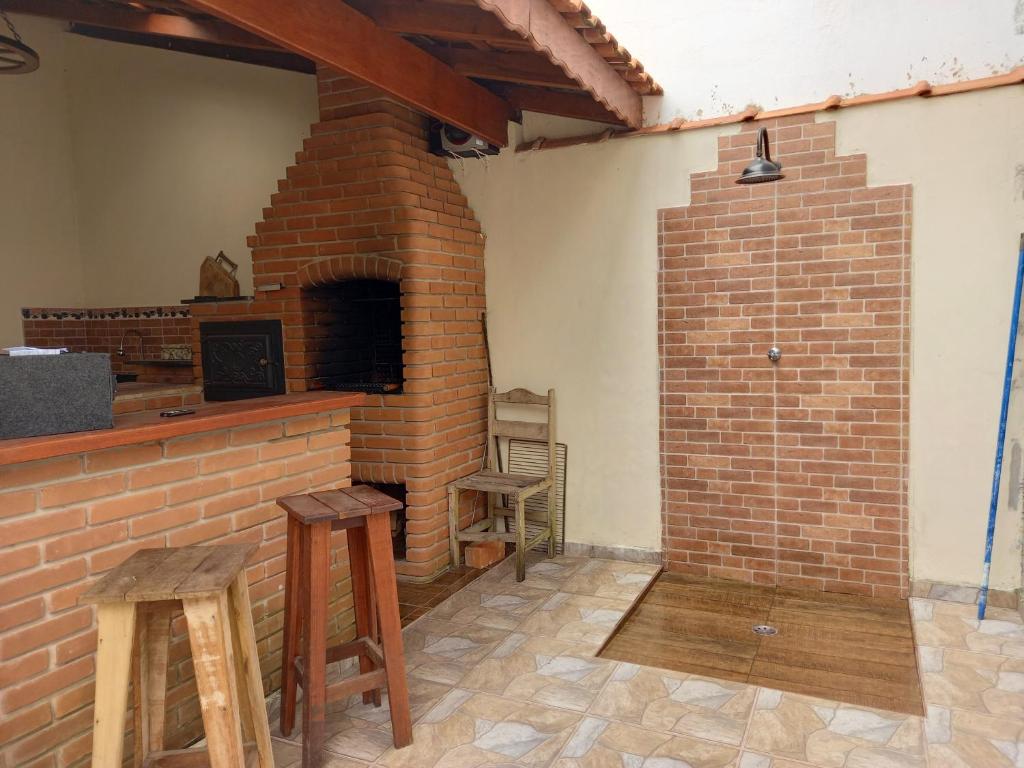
(395, 491)
(356, 338)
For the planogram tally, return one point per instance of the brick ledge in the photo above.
(134, 428)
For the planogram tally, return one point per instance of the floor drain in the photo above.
(765, 629)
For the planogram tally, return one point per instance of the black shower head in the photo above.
(763, 168)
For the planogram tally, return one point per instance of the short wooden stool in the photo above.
(134, 603)
(363, 513)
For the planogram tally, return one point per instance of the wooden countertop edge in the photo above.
(135, 428)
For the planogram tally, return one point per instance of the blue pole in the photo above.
(997, 473)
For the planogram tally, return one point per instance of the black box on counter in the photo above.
(54, 394)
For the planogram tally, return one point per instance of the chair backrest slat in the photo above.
(543, 431)
(520, 396)
(527, 430)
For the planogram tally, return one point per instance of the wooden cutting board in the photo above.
(217, 277)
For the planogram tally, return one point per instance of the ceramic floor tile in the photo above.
(599, 743)
(758, 760)
(611, 578)
(286, 753)
(491, 604)
(477, 730)
(444, 651)
(668, 701)
(976, 682)
(832, 735)
(362, 731)
(328, 761)
(541, 669)
(542, 572)
(958, 739)
(579, 618)
(952, 625)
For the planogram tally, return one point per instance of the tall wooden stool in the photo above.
(363, 513)
(134, 603)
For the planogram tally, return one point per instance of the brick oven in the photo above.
(371, 259)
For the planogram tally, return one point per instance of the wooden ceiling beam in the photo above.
(209, 31)
(439, 21)
(338, 36)
(549, 32)
(276, 58)
(562, 103)
(514, 67)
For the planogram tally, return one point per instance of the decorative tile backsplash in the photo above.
(105, 313)
(100, 329)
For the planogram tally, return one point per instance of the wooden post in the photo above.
(552, 472)
(209, 633)
(293, 624)
(247, 663)
(116, 622)
(153, 625)
(520, 506)
(358, 559)
(453, 524)
(383, 569)
(316, 577)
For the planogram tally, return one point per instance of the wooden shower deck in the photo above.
(845, 647)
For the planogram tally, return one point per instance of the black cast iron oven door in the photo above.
(242, 359)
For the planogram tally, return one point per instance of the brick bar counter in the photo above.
(73, 506)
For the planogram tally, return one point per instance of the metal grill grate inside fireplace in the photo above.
(356, 338)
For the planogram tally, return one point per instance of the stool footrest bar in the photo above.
(357, 647)
(368, 681)
(194, 757)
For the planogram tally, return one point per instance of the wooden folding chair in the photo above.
(517, 488)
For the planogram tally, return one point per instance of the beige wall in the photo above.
(571, 291)
(571, 270)
(132, 164)
(175, 156)
(39, 258)
(965, 157)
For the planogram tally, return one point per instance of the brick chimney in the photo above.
(365, 200)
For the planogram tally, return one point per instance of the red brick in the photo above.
(190, 446)
(163, 520)
(47, 684)
(24, 723)
(36, 473)
(162, 473)
(120, 458)
(130, 504)
(41, 525)
(24, 667)
(19, 559)
(41, 580)
(77, 491)
(43, 633)
(13, 615)
(743, 443)
(482, 554)
(17, 503)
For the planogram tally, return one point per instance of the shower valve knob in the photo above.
(775, 354)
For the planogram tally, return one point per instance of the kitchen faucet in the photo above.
(120, 349)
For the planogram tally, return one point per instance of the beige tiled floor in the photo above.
(504, 675)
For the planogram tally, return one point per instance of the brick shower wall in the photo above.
(365, 199)
(100, 330)
(792, 473)
(66, 521)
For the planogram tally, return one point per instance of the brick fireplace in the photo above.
(373, 262)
